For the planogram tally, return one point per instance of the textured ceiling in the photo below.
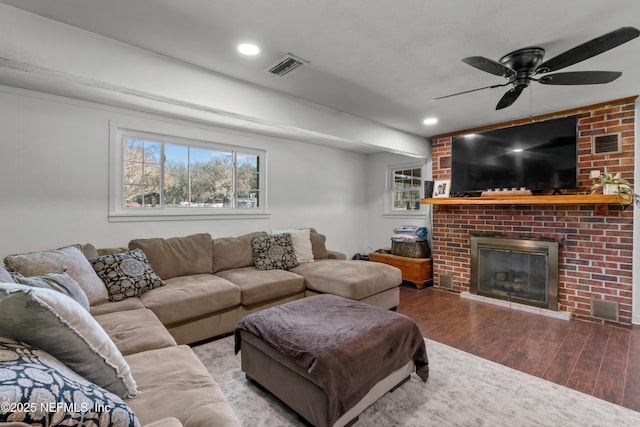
(381, 60)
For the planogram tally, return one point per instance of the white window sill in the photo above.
(404, 215)
(185, 216)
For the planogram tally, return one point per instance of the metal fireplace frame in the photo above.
(540, 247)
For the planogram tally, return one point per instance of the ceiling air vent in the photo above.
(607, 144)
(286, 65)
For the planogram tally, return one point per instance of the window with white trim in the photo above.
(406, 190)
(171, 176)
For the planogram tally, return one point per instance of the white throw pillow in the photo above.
(301, 240)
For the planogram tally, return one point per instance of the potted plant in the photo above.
(622, 187)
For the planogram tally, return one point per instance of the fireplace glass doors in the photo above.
(523, 271)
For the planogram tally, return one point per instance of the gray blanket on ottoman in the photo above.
(346, 346)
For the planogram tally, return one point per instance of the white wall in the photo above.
(54, 181)
(49, 56)
(380, 225)
(54, 150)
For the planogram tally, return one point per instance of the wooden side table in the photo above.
(415, 270)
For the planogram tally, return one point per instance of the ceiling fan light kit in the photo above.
(523, 66)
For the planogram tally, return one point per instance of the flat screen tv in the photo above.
(536, 156)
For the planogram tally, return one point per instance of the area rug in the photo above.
(463, 390)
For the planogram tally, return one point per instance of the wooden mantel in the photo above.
(577, 199)
(601, 201)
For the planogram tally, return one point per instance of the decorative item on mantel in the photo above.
(615, 184)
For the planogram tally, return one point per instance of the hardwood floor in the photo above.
(596, 359)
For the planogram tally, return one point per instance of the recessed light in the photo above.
(248, 49)
(430, 121)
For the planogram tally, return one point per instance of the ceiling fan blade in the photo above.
(510, 97)
(580, 78)
(468, 91)
(589, 49)
(489, 66)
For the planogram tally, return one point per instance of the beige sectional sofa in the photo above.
(220, 284)
(208, 285)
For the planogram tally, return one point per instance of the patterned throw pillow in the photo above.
(39, 390)
(273, 252)
(301, 239)
(127, 274)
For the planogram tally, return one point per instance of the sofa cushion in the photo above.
(126, 275)
(178, 256)
(76, 264)
(233, 252)
(133, 331)
(35, 379)
(58, 325)
(112, 250)
(350, 279)
(188, 297)
(165, 422)
(301, 240)
(89, 251)
(174, 383)
(274, 252)
(59, 281)
(5, 277)
(113, 306)
(258, 286)
(318, 245)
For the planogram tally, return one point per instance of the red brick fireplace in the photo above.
(595, 251)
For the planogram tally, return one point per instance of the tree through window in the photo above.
(164, 175)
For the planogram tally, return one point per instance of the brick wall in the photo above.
(595, 254)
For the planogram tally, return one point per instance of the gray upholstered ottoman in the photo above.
(328, 358)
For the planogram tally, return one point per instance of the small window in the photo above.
(406, 190)
(159, 175)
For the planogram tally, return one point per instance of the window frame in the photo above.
(192, 138)
(389, 212)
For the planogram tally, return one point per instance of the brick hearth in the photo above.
(595, 254)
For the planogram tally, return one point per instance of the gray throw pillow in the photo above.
(126, 275)
(273, 252)
(5, 276)
(52, 394)
(55, 323)
(59, 281)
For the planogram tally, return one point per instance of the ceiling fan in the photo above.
(523, 66)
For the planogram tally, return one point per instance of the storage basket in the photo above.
(416, 249)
